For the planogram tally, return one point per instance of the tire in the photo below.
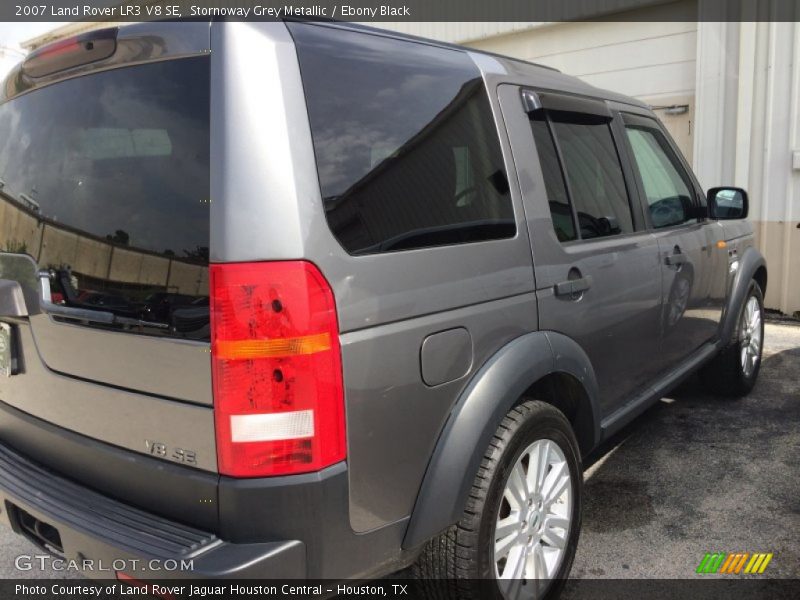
(460, 563)
(727, 375)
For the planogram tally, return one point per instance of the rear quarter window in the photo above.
(406, 146)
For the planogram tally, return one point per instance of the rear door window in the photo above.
(406, 146)
(104, 180)
(595, 179)
(558, 199)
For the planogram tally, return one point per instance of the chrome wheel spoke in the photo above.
(553, 538)
(506, 527)
(557, 521)
(517, 486)
(556, 482)
(504, 546)
(514, 570)
(535, 457)
(540, 565)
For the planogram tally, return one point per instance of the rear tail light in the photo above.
(276, 368)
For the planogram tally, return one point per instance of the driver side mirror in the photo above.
(726, 203)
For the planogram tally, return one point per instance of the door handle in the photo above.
(675, 260)
(573, 287)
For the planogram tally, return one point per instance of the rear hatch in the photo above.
(104, 182)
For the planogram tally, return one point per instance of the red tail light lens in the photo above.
(276, 368)
(72, 52)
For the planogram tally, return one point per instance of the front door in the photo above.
(693, 255)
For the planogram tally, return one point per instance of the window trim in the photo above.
(652, 123)
(638, 221)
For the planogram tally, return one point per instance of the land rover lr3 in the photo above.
(312, 300)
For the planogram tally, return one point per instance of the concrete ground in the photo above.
(694, 474)
(699, 474)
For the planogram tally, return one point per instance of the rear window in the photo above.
(104, 179)
(406, 147)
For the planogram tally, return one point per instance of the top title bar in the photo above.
(535, 11)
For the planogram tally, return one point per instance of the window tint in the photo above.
(594, 174)
(669, 195)
(406, 147)
(560, 210)
(105, 181)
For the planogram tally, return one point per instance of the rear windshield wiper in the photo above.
(90, 315)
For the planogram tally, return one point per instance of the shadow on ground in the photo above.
(698, 473)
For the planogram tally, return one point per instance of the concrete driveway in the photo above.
(699, 474)
(694, 474)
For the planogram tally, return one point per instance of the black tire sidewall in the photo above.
(535, 426)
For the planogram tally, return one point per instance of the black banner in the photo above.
(399, 10)
(594, 589)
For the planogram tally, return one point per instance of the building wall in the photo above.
(748, 105)
(8, 58)
(651, 60)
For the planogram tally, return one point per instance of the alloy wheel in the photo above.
(533, 521)
(750, 336)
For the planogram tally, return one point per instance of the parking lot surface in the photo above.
(694, 474)
(698, 474)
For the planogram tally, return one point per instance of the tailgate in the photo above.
(104, 184)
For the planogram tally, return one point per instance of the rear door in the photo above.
(105, 184)
(693, 265)
(596, 266)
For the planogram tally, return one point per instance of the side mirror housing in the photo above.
(725, 203)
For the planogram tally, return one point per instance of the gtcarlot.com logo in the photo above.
(27, 562)
(735, 563)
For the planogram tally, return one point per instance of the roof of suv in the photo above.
(519, 69)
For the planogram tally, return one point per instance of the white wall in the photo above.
(8, 58)
(643, 57)
(646, 59)
(748, 107)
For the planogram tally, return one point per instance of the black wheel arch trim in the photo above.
(492, 392)
(750, 262)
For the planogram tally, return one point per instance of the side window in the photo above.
(594, 177)
(406, 146)
(667, 189)
(560, 210)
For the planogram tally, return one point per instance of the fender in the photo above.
(477, 413)
(749, 262)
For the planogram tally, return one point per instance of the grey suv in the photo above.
(417, 285)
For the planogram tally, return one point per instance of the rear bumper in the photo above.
(99, 536)
(274, 527)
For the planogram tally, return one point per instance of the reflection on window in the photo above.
(669, 196)
(560, 211)
(594, 173)
(105, 183)
(406, 146)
